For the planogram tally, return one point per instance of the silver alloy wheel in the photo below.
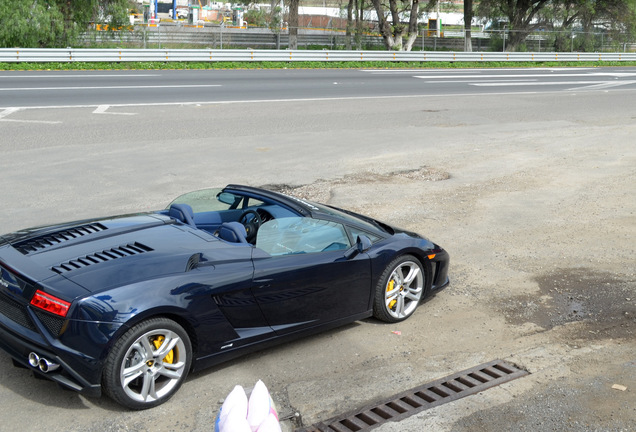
(153, 365)
(404, 289)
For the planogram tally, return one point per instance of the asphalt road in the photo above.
(97, 88)
(529, 184)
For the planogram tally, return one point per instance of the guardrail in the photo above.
(35, 55)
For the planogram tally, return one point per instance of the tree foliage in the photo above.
(55, 23)
(525, 16)
(257, 17)
(522, 16)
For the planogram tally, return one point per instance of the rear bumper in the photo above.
(19, 350)
(19, 346)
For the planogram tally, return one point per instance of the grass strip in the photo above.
(294, 65)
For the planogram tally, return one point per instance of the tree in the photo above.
(522, 16)
(468, 19)
(359, 23)
(28, 24)
(276, 21)
(393, 31)
(525, 16)
(293, 24)
(257, 18)
(350, 5)
(614, 19)
(55, 23)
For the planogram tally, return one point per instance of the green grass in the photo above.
(293, 65)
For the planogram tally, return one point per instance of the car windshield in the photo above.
(208, 200)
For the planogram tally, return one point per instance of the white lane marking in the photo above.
(77, 76)
(480, 81)
(604, 85)
(588, 84)
(102, 109)
(8, 111)
(330, 99)
(30, 121)
(424, 70)
(556, 75)
(528, 83)
(111, 87)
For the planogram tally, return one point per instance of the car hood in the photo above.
(104, 253)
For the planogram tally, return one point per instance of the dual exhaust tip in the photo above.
(45, 365)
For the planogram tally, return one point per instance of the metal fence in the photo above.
(216, 36)
(13, 55)
(220, 38)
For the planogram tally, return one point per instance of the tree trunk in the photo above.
(349, 24)
(359, 24)
(293, 24)
(384, 26)
(392, 32)
(412, 30)
(410, 41)
(468, 19)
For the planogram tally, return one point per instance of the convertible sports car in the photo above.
(131, 304)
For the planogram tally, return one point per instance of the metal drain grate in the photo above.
(429, 395)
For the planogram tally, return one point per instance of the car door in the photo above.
(229, 273)
(304, 279)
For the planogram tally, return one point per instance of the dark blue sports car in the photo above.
(131, 304)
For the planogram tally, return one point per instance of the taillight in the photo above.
(50, 303)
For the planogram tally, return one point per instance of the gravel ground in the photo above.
(533, 196)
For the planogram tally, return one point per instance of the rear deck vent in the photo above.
(53, 239)
(103, 256)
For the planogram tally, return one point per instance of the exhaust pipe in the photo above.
(34, 359)
(42, 363)
(47, 366)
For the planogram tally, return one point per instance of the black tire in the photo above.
(400, 289)
(148, 364)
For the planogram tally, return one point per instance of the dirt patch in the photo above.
(321, 190)
(604, 302)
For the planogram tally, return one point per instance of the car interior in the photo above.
(272, 228)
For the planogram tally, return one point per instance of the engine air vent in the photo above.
(103, 256)
(53, 239)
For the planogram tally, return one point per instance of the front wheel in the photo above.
(148, 364)
(399, 289)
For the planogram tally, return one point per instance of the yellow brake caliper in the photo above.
(389, 288)
(157, 343)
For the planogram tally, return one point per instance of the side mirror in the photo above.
(362, 245)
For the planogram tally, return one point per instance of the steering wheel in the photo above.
(251, 224)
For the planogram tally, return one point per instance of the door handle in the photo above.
(262, 283)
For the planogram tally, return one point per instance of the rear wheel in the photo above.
(148, 364)
(399, 289)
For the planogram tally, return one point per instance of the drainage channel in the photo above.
(453, 387)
